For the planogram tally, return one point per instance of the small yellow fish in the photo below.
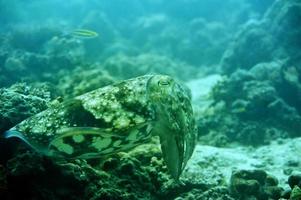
(84, 33)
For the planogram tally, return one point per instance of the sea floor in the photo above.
(280, 159)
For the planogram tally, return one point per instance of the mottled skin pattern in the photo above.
(117, 118)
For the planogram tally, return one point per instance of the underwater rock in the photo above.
(37, 54)
(21, 101)
(294, 180)
(199, 42)
(199, 34)
(84, 79)
(217, 193)
(139, 174)
(239, 56)
(249, 108)
(29, 66)
(281, 20)
(64, 52)
(257, 183)
(31, 176)
(283, 76)
(213, 165)
(275, 37)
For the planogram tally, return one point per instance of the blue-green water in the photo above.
(236, 63)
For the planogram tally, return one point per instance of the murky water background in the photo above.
(240, 59)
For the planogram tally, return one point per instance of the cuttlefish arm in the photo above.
(172, 143)
(172, 151)
(177, 139)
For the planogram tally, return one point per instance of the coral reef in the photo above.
(139, 174)
(84, 79)
(249, 110)
(199, 43)
(259, 100)
(256, 183)
(275, 37)
(37, 54)
(121, 176)
(21, 101)
(218, 193)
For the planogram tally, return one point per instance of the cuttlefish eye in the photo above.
(159, 87)
(163, 82)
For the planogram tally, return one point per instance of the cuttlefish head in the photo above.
(174, 124)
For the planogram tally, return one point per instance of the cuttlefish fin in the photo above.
(13, 134)
(72, 131)
(80, 135)
(172, 155)
(17, 134)
(85, 142)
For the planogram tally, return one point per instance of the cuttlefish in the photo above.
(116, 118)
